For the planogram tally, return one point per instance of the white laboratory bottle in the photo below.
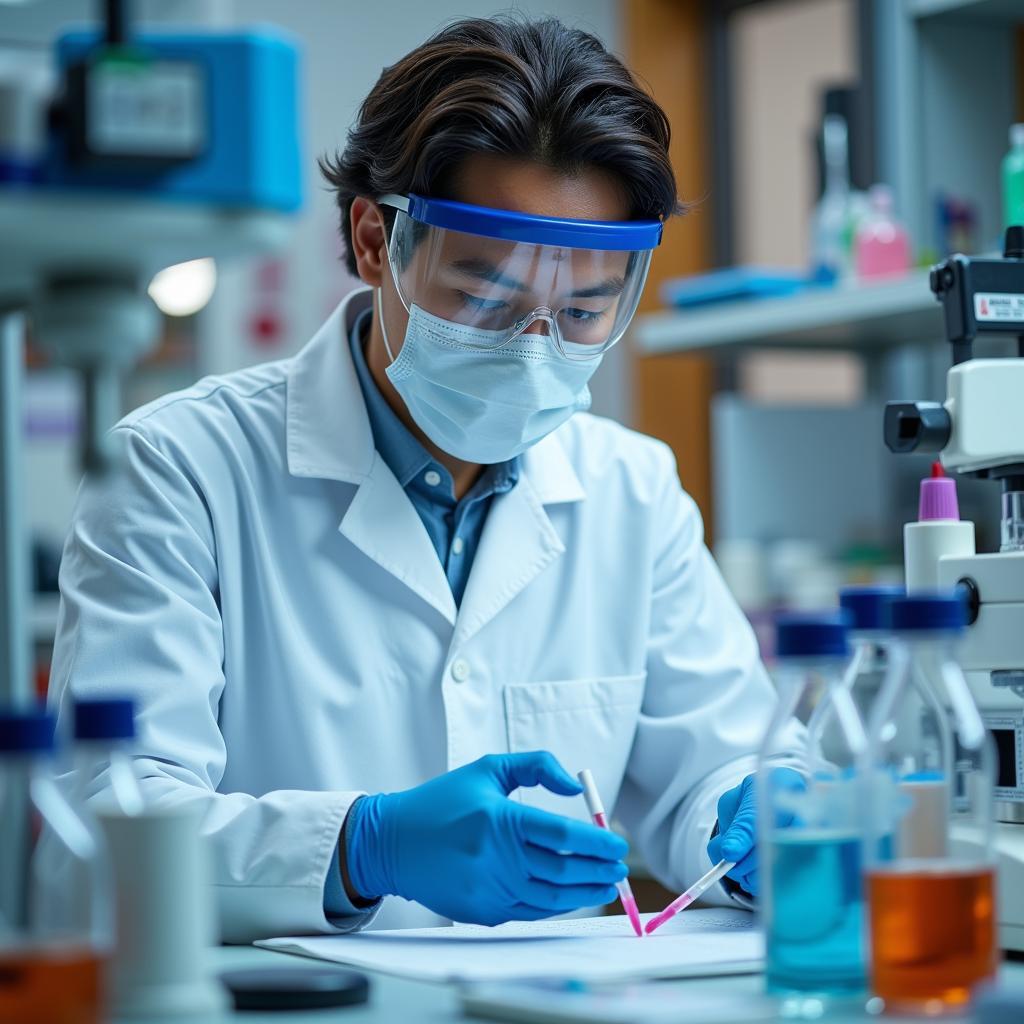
(103, 775)
(809, 841)
(928, 775)
(52, 964)
(939, 532)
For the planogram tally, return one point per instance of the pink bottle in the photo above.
(881, 247)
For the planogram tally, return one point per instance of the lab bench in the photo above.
(402, 1001)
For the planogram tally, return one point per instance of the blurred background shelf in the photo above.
(1001, 10)
(855, 316)
(43, 620)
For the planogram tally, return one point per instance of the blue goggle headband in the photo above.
(619, 235)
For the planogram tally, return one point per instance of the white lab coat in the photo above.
(259, 579)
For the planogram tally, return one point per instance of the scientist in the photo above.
(379, 602)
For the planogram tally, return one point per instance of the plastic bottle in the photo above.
(938, 531)
(809, 839)
(881, 245)
(52, 967)
(1013, 178)
(104, 731)
(829, 224)
(928, 773)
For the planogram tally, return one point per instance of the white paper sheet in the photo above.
(694, 943)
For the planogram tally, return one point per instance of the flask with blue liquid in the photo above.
(810, 841)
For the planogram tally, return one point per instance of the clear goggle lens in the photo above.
(583, 299)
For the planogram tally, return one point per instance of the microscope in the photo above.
(979, 431)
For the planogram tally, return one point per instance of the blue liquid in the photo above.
(815, 937)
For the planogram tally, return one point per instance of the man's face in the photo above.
(490, 284)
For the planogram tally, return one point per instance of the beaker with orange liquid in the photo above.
(929, 773)
(51, 964)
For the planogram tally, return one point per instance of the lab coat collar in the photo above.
(328, 430)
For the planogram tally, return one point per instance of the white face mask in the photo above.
(483, 404)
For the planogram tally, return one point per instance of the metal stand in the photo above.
(15, 682)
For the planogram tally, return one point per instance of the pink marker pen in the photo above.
(596, 808)
(723, 867)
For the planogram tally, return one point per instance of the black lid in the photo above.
(295, 988)
(107, 718)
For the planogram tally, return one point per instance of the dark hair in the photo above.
(509, 86)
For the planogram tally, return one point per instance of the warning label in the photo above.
(998, 306)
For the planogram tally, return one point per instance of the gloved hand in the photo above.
(737, 826)
(458, 845)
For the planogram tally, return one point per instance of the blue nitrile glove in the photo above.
(737, 827)
(458, 845)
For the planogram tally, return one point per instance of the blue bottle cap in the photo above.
(868, 606)
(935, 610)
(109, 718)
(32, 731)
(818, 635)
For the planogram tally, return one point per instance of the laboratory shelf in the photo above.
(46, 231)
(977, 10)
(855, 316)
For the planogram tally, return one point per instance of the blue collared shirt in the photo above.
(454, 525)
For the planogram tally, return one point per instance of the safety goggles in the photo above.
(504, 273)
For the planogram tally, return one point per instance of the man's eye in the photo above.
(483, 305)
(583, 315)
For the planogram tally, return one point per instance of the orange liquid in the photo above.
(933, 935)
(51, 986)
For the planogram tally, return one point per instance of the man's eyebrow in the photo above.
(609, 287)
(484, 271)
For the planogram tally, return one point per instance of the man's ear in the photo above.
(369, 240)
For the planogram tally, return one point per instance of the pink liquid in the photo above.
(679, 903)
(625, 892)
(882, 250)
(629, 905)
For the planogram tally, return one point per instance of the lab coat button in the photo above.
(460, 670)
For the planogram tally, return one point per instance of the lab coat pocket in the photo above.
(585, 723)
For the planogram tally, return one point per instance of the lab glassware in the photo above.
(928, 774)
(51, 964)
(809, 840)
(104, 731)
(867, 610)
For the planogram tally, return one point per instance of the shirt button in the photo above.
(432, 477)
(457, 546)
(460, 670)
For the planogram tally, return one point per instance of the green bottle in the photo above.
(1013, 178)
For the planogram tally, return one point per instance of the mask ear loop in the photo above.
(383, 328)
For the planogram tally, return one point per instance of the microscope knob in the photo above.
(916, 427)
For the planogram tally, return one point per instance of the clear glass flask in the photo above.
(104, 732)
(867, 611)
(52, 964)
(809, 839)
(928, 773)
